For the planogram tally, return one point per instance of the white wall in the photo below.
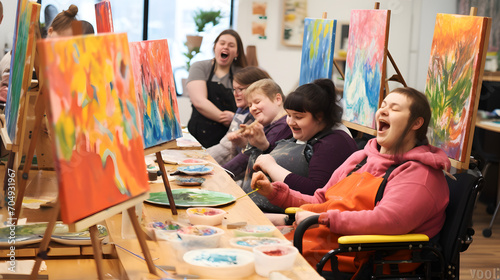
(8, 23)
(410, 35)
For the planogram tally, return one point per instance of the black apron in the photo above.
(290, 155)
(206, 131)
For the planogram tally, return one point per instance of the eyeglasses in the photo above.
(239, 90)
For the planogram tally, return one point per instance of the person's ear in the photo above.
(49, 31)
(417, 123)
(278, 98)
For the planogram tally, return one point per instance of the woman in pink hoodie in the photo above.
(415, 196)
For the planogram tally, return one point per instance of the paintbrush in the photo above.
(256, 189)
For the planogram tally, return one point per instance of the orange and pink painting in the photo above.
(103, 17)
(95, 123)
(457, 58)
(365, 65)
(156, 94)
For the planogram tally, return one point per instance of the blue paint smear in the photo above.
(103, 129)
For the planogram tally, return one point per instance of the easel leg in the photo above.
(39, 114)
(42, 252)
(142, 240)
(96, 246)
(164, 176)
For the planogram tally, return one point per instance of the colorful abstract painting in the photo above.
(452, 80)
(103, 17)
(156, 95)
(317, 49)
(94, 121)
(365, 65)
(21, 65)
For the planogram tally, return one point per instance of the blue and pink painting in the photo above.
(365, 65)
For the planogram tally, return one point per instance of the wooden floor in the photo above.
(482, 259)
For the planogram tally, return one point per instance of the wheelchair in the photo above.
(439, 259)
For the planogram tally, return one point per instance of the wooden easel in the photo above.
(90, 222)
(398, 77)
(157, 151)
(464, 165)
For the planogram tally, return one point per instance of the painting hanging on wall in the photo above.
(21, 65)
(156, 95)
(259, 19)
(456, 62)
(103, 17)
(97, 136)
(317, 50)
(294, 13)
(365, 65)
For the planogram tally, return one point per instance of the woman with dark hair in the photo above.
(231, 144)
(306, 161)
(210, 89)
(395, 185)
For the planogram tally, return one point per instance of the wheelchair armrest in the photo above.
(301, 229)
(291, 210)
(361, 239)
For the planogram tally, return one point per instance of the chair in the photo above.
(440, 259)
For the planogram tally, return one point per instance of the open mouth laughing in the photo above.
(383, 125)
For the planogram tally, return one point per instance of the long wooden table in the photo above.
(125, 265)
(243, 210)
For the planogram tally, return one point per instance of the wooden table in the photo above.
(243, 210)
(125, 265)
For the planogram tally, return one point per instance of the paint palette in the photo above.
(193, 161)
(192, 198)
(79, 238)
(26, 234)
(248, 242)
(195, 169)
(220, 263)
(255, 230)
(189, 181)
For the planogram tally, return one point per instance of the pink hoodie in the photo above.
(414, 200)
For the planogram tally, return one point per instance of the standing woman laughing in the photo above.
(210, 89)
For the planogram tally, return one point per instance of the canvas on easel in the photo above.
(454, 82)
(157, 101)
(21, 68)
(103, 17)
(95, 123)
(365, 70)
(317, 50)
(155, 89)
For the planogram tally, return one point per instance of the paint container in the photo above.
(127, 228)
(153, 173)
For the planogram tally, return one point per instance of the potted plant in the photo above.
(201, 19)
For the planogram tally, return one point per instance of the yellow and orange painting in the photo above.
(95, 123)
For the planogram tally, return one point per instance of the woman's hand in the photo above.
(256, 136)
(302, 215)
(264, 163)
(259, 180)
(226, 117)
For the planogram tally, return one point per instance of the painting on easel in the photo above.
(317, 50)
(103, 17)
(365, 65)
(95, 122)
(156, 95)
(452, 79)
(21, 66)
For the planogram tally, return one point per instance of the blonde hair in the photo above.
(269, 87)
(64, 19)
